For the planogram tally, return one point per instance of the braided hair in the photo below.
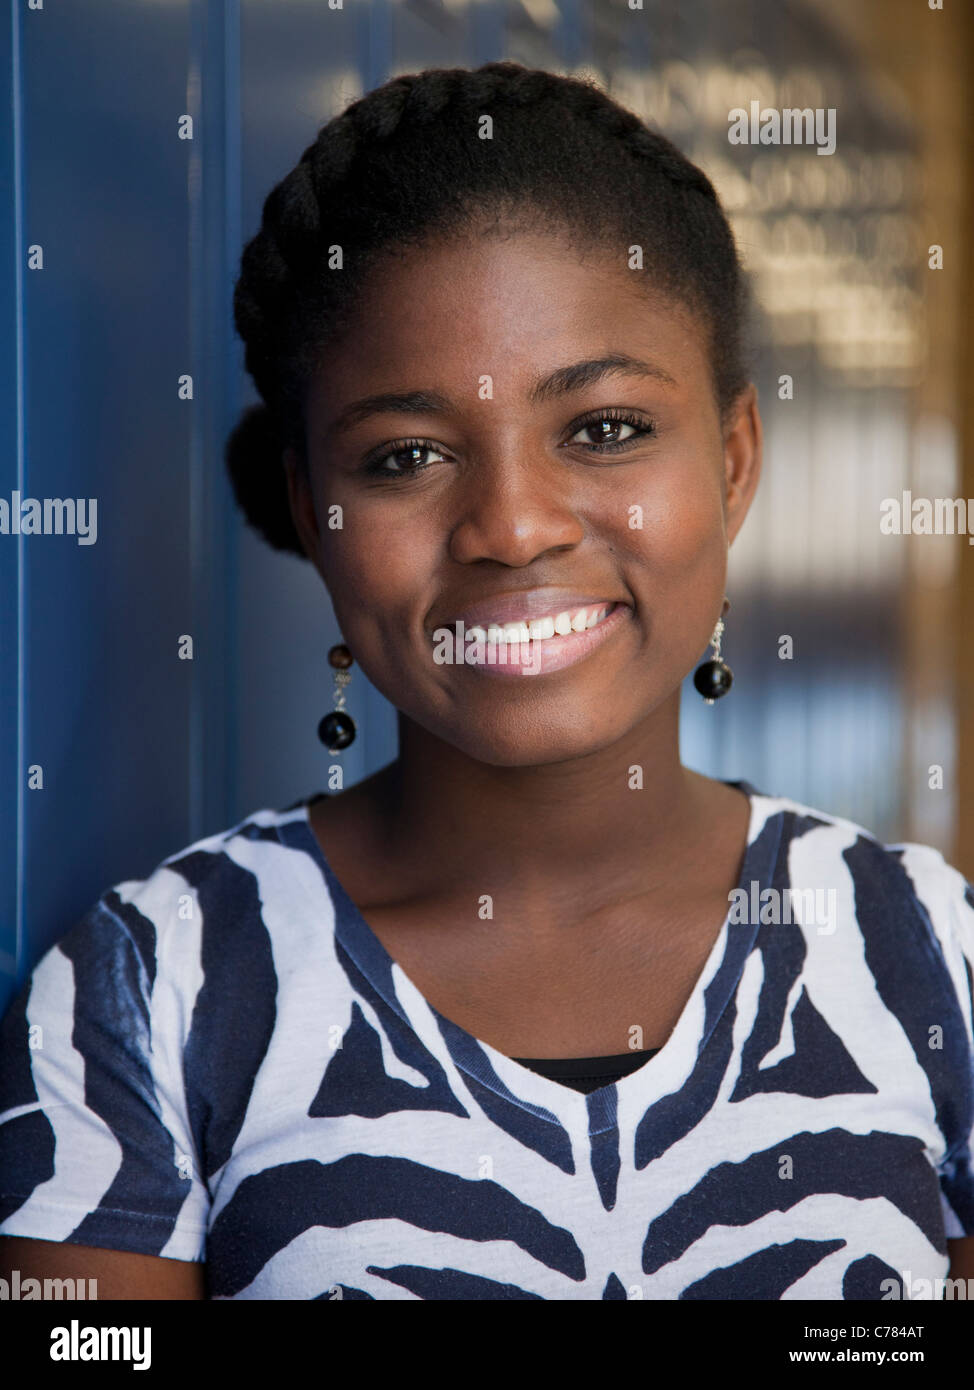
(405, 162)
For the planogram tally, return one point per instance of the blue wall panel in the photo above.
(11, 469)
(105, 337)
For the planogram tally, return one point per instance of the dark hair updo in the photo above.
(407, 161)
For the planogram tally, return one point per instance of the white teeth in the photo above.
(539, 629)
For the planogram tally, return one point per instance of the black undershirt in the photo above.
(587, 1073)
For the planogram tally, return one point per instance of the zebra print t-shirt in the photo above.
(222, 1062)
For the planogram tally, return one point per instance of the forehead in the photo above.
(504, 305)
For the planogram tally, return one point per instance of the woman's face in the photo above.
(483, 496)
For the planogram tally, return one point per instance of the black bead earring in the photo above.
(337, 730)
(713, 678)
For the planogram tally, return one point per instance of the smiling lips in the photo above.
(522, 635)
(541, 629)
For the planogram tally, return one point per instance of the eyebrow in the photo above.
(558, 383)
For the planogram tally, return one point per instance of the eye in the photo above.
(405, 456)
(611, 430)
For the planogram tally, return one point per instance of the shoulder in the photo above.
(141, 1029)
(264, 860)
(210, 906)
(218, 869)
(824, 838)
(911, 908)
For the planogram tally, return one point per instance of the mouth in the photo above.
(543, 629)
(536, 645)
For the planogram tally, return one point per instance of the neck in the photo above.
(552, 821)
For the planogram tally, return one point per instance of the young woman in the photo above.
(534, 1012)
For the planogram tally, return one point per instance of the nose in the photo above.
(513, 509)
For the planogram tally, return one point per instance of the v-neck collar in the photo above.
(509, 1080)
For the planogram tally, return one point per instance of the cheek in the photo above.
(375, 572)
(675, 519)
(676, 562)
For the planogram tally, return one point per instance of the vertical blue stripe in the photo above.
(21, 448)
(202, 639)
(232, 358)
(214, 243)
(374, 43)
(488, 26)
(9, 623)
(570, 34)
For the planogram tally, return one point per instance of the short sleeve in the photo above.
(95, 1145)
(957, 1175)
(948, 900)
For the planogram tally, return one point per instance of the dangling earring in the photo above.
(713, 678)
(337, 730)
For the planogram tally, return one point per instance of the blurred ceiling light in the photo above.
(544, 13)
(332, 93)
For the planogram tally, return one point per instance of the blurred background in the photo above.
(140, 234)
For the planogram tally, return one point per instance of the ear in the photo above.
(743, 441)
(302, 504)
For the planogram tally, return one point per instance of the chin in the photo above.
(530, 742)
